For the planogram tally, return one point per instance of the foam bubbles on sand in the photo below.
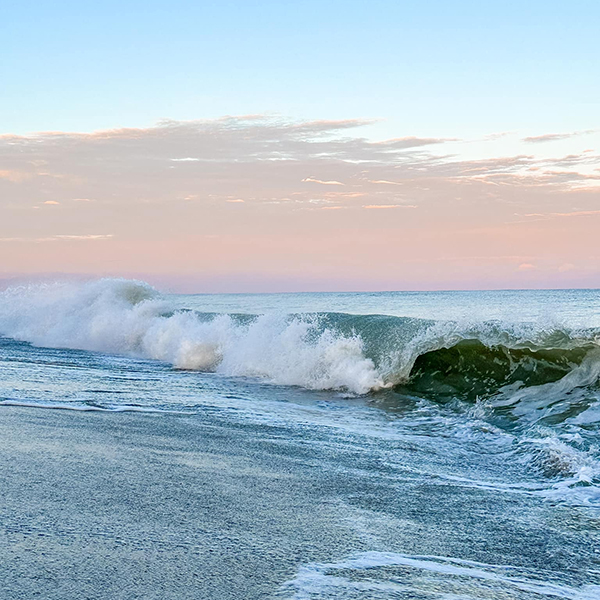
(385, 575)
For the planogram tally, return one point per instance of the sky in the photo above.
(298, 146)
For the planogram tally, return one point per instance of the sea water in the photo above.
(459, 430)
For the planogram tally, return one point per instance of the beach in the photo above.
(163, 446)
(299, 301)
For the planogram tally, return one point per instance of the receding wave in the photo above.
(355, 353)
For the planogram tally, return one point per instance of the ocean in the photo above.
(423, 445)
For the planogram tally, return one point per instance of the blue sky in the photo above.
(428, 68)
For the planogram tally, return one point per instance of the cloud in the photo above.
(496, 136)
(413, 142)
(384, 181)
(577, 213)
(558, 215)
(226, 154)
(548, 137)
(59, 238)
(14, 176)
(313, 180)
(51, 203)
(84, 238)
(566, 267)
(554, 137)
(178, 215)
(384, 206)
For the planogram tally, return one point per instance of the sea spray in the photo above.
(121, 316)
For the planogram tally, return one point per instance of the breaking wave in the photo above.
(355, 353)
(121, 316)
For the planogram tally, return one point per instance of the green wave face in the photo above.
(470, 369)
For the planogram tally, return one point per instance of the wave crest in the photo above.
(121, 316)
(357, 353)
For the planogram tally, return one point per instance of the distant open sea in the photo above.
(455, 436)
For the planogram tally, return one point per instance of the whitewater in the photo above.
(453, 433)
(357, 353)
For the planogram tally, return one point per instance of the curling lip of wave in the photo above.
(358, 353)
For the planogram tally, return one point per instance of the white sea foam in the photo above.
(121, 316)
(368, 575)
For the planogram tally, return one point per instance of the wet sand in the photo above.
(130, 505)
(101, 505)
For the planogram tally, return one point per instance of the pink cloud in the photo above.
(172, 218)
(313, 180)
(384, 206)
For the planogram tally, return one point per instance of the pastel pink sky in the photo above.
(268, 204)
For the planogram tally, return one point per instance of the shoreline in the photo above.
(110, 505)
